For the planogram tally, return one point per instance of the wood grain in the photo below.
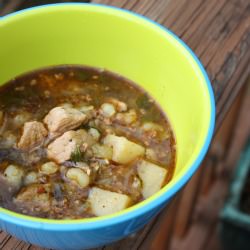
(219, 33)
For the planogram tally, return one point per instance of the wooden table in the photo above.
(219, 33)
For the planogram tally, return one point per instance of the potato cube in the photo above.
(104, 202)
(152, 177)
(124, 151)
(102, 151)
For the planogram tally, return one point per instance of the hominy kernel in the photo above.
(78, 176)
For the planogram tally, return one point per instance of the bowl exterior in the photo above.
(79, 239)
(168, 72)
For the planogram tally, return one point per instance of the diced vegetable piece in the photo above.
(49, 168)
(119, 106)
(152, 177)
(127, 117)
(86, 109)
(124, 151)
(107, 109)
(14, 175)
(147, 126)
(94, 133)
(86, 137)
(104, 202)
(85, 167)
(31, 178)
(78, 176)
(102, 151)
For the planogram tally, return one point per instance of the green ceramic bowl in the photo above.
(140, 50)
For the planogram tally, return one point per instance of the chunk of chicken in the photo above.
(35, 197)
(34, 134)
(62, 119)
(61, 149)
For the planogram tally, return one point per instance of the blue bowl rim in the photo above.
(165, 196)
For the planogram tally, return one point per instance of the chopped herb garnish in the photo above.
(82, 76)
(143, 102)
(77, 155)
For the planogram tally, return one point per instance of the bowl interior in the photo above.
(122, 43)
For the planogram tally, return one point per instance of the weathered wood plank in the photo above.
(242, 127)
(218, 31)
(192, 11)
(222, 139)
(205, 218)
(226, 50)
(14, 243)
(134, 241)
(4, 237)
(203, 14)
(9, 7)
(187, 203)
(208, 175)
(32, 247)
(236, 81)
(161, 239)
(213, 242)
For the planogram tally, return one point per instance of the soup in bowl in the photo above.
(52, 54)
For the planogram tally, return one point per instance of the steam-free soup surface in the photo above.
(79, 142)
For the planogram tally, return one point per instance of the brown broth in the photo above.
(31, 96)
